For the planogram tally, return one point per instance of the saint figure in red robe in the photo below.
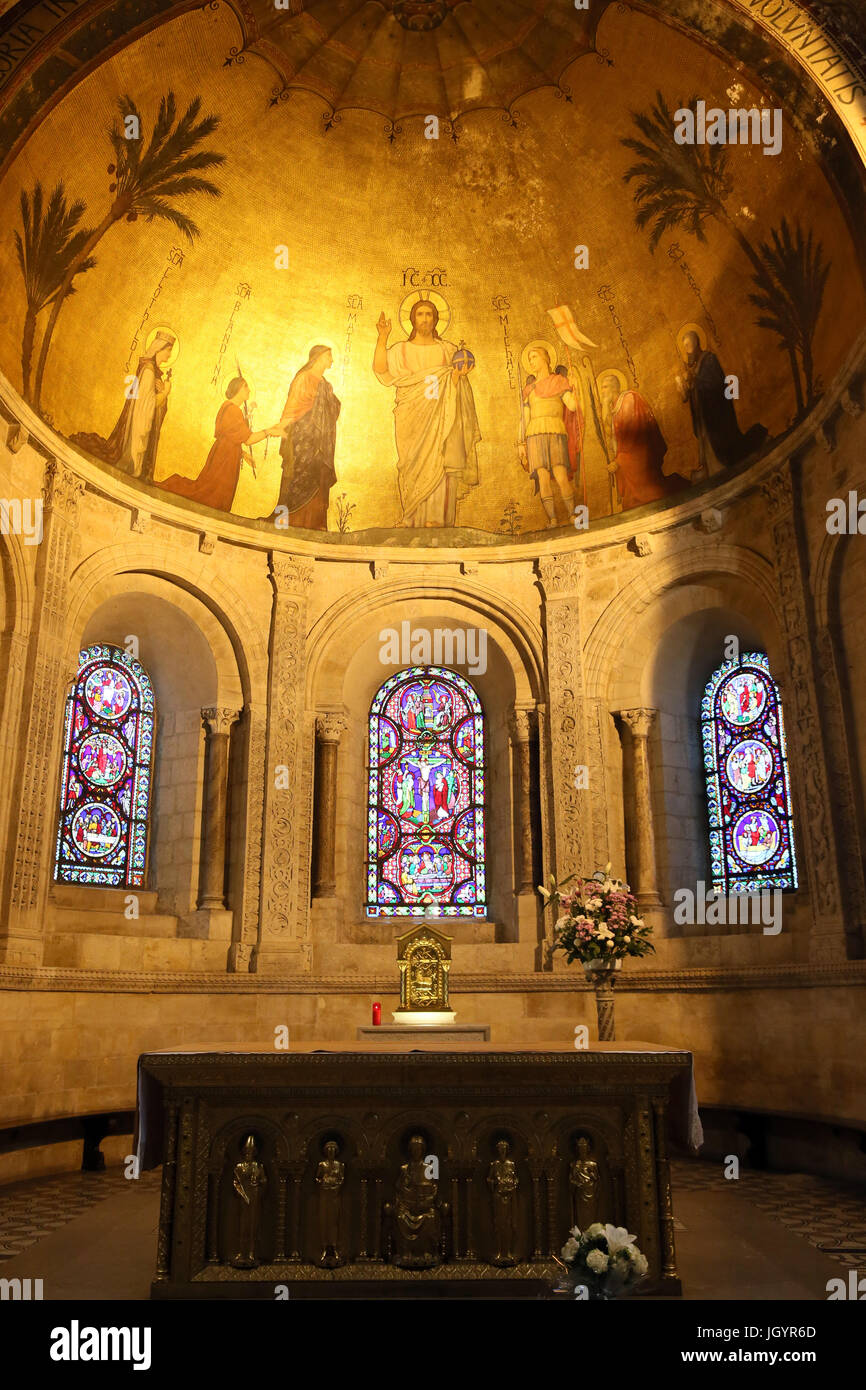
(636, 444)
(216, 483)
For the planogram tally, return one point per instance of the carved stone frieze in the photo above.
(285, 908)
(36, 781)
(802, 711)
(561, 578)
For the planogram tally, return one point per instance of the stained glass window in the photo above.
(749, 795)
(425, 828)
(106, 772)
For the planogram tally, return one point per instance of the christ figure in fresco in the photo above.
(216, 483)
(435, 423)
(636, 444)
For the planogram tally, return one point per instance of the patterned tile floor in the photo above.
(32, 1209)
(828, 1213)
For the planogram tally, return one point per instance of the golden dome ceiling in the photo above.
(257, 225)
(411, 58)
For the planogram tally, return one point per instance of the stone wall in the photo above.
(599, 644)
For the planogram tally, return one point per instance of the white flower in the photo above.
(594, 1231)
(640, 1264)
(575, 1231)
(617, 1238)
(597, 1261)
(562, 922)
(594, 903)
(569, 1249)
(544, 892)
(626, 938)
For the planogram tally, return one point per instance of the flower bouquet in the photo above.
(598, 925)
(604, 1261)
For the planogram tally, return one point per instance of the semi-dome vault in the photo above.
(410, 266)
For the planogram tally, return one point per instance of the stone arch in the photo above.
(344, 672)
(202, 648)
(517, 635)
(675, 622)
(225, 605)
(745, 567)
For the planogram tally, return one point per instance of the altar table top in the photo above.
(684, 1120)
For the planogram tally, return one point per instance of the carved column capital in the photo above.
(638, 721)
(521, 723)
(331, 726)
(62, 489)
(291, 574)
(777, 491)
(561, 575)
(220, 721)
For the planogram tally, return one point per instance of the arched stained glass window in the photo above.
(749, 795)
(425, 831)
(106, 772)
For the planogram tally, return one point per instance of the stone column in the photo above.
(562, 581)
(568, 846)
(807, 736)
(640, 848)
(521, 725)
(32, 812)
(218, 723)
(329, 730)
(284, 944)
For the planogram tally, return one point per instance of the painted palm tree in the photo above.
(790, 293)
(147, 181)
(682, 186)
(49, 242)
(679, 186)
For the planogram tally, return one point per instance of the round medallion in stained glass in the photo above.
(95, 830)
(102, 759)
(756, 837)
(744, 698)
(749, 766)
(108, 692)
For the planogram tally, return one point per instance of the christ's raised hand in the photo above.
(383, 325)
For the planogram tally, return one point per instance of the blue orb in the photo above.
(463, 358)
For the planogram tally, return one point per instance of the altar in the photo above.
(387, 1168)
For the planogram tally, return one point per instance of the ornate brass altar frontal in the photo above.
(386, 1168)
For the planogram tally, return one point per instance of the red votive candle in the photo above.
(377, 1014)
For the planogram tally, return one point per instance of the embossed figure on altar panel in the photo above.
(416, 1220)
(249, 1182)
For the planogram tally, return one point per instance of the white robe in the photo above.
(436, 434)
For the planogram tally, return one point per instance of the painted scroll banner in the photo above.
(836, 74)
